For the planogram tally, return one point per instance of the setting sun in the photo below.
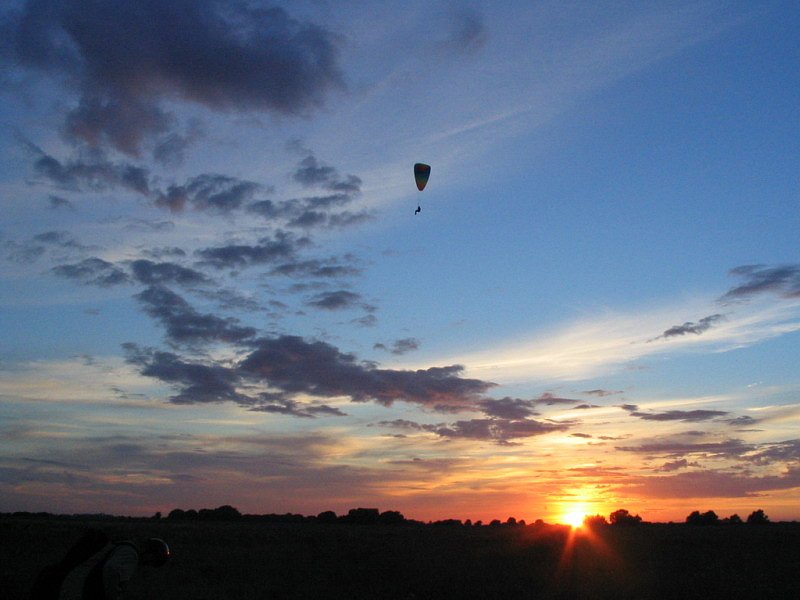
(573, 518)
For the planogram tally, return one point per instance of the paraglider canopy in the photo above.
(421, 174)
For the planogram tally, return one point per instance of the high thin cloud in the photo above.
(126, 57)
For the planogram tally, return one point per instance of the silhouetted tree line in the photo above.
(757, 517)
(372, 516)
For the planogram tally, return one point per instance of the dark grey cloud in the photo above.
(601, 393)
(581, 435)
(198, 382)
(59, 203)
(154, 273)
(184, 325)
(466, 32)
(282, 247)
(787, 451)
(61, 239)
(680, 415)
(549, 399)
(731, 448)
(585, 406)
(329, 268)
(701, 326)
(170, 151)
(125, 57)
(709, 483)
(311, 173)
(286, 406)
(289, 365)
(399, 347)
(212, 192)
(164, 252)
(93, 271)
(336, 300)
(92, 173)
(508, 408)
(293, 365)
(760, 279)
(497, 430)
(676, 465)
(743, 421)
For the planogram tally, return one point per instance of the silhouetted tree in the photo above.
(734, 519)
(623, 517)
(157, 516)
(176, 514)
(706, 518)
(511, 522)
(391, 517)
(468, 523)
(363, 516)
(757, 517)
(327, 516)
(595, 521)
(495, 523)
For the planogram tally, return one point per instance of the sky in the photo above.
(214, 288)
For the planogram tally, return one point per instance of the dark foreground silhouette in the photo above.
(263, 560)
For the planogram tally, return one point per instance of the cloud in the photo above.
(498, 430)
(679, 415)
(59, 203)
(280, 248)
(549, 399)
(90, 174)
(466, 32)
(400, 347)
(293, 365)
(731, 448)
(338, 300)
(713, 484)
(759, 279)
(125, 58)
(607, 343)
(198, 382)
(185, 325)
(330, 268)
(219, 194)
(152, 273)
(601, 393)
(93, 271)
(701, 326)
(508, 408)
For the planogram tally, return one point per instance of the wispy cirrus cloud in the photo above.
(608, 343)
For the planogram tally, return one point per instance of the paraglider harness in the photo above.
(93, 588)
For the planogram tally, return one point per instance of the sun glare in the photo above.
(574, 518)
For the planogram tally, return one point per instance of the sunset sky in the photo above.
(214, 289)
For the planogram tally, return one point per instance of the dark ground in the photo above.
(217, 561)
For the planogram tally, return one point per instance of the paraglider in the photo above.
(421, 174)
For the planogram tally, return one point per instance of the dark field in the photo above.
(266, 561)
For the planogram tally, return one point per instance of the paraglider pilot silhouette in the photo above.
(110, 575)
(421, 174)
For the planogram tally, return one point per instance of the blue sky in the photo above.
(215, 289)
